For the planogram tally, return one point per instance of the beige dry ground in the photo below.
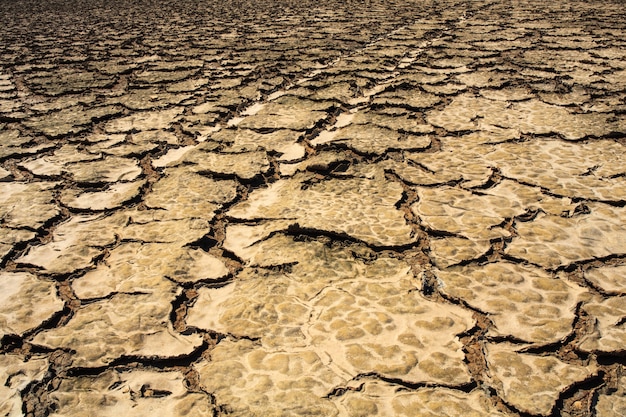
(313, 208)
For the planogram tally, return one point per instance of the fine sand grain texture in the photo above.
(312, 208)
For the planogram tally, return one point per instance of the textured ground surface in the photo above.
(351, 208)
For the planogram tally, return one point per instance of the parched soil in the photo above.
(332, 208)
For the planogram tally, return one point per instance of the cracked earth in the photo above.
(359, 208)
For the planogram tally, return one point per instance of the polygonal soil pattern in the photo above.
(272, 208)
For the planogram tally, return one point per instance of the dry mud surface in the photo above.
(355, 208)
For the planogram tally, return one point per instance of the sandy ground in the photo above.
(355, 208)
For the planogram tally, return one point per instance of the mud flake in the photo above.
(75, 243)
(243, 240)
(149, 99)
(109, 169)
(244, 165)
(13, 143)
(70, 81)
(59, 161)
(413, 98)
(146, 120)
(371, 139)
(156, 76)
(272, 314)
(136, 267)
(531, 198)
(507, 93)
(461, 113)
(124, 325)
(27, 205)
(25, 302)
(532, 383)
(183, 194)
(378, 398)
(522, 301)
(553, 241)
(255, 380)
(458, 160)
(539, 118)
(461, 212)
(4, 174)
(385, 328)
(288, 112)
(608, 335)
(282, 141)
(155, 226)
(340, 92)
(15, 375)
(362, 208)
(9, 237)
(326, 319)
(483, 78)
(71, 120)
(400, 123)
(111, 197)
(445, 88)
(188, 85)
(575, 170)
(62, 102)
(136, 392)
(453, 250)
(419, 175)
(613, 404)
(609, 278)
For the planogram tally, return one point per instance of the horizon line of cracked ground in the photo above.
(358, 208)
